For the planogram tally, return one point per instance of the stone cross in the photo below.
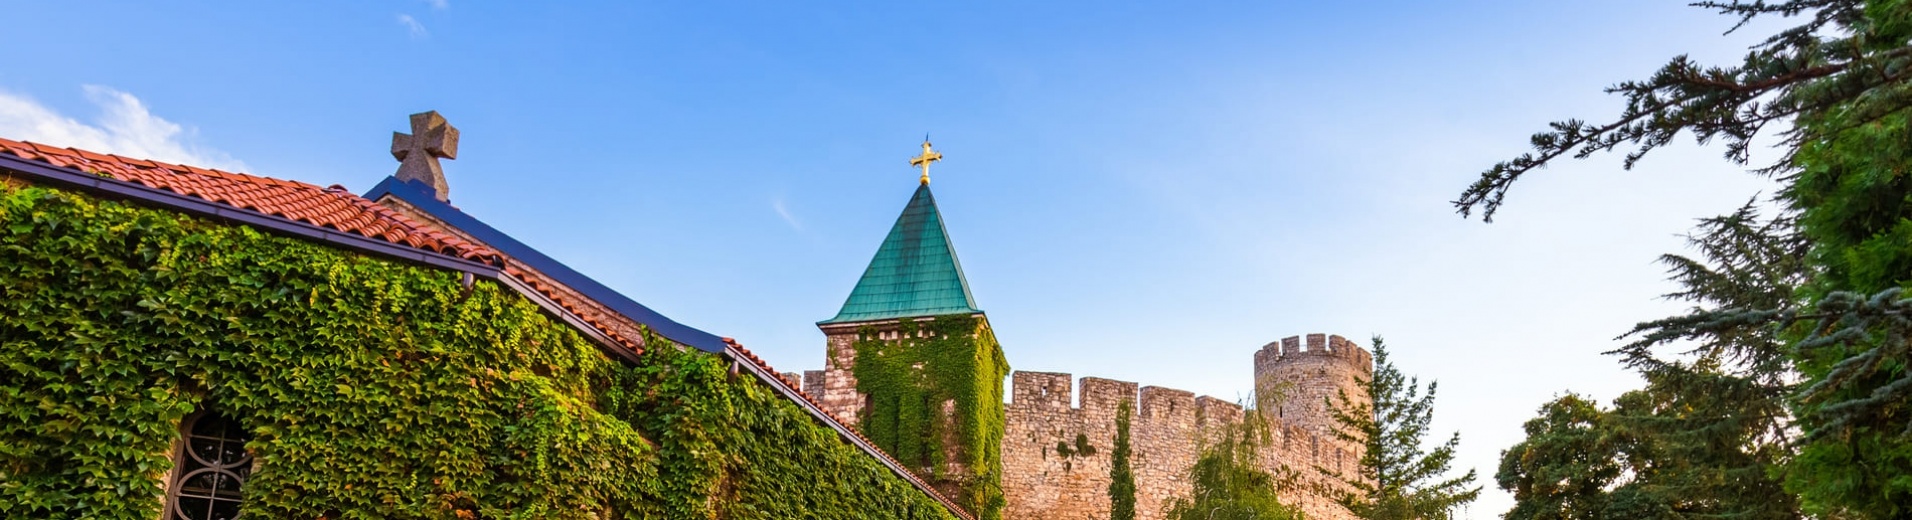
(929, 156)
(418, 152)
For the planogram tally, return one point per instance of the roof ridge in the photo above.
(292, 200)
(92, 156)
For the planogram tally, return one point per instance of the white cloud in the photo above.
(782, 211)
(411, 24)
(124, 126)
(439, 4)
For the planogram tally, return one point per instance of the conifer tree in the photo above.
(1838, 345)
(1397, 479)
(1121, 475)
(1656, 454)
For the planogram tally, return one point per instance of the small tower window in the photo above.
(209, 470)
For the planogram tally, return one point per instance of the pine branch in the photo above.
(1794, 75)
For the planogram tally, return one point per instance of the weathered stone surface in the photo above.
(1167, 433)
(418, 152)
(1047, 475)
(839, 395)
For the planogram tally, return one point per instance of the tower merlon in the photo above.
(1045, 389)
(1102, 396)
(1160, 403)
(1050, 392)
(1317, 345)
(1214, 411)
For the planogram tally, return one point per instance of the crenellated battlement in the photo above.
(1318, 345)
(1298, 382)
(1054, 392)
(1059, 430)
(1056, 451)
(1051, 395)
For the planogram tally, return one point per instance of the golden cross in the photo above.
(928, 156)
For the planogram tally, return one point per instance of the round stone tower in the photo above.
(1295, 385)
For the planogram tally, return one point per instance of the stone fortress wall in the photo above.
(1299, 383)
(1048, 476)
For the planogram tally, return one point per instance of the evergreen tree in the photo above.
(1656, 454)
(1121, 475)
(1227, 482)
(1840, 349)
(1397, 479)
(1708, 434)
(1567, 464)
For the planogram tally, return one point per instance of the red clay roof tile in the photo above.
(331, 208)
(290, 200)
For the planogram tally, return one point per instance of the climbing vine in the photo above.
(949, 361)
(1121, 472)
(372, 389)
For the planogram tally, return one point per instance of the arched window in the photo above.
(211, 465)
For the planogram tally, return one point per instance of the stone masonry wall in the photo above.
(1043, 480)
(836, 389)
(1167, 432)
(1299, 384)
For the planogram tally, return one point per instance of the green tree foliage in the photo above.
(1227, 481)
(1708, 434)
(1832, 338)
(1656, 454)
(1121, 475)
(1397, 479)
(1567, 464)
(371, 388)
(1854, 357)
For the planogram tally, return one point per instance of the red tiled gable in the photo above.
(333, 208)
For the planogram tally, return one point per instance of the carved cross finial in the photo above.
(929, 156)
(418, 152)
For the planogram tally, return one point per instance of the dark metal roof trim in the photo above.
(511, 247)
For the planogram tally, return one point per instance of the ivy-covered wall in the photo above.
(949, 359)
(372, 388)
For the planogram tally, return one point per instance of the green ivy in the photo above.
(956, 359)
(1121, 469)
(373, 389)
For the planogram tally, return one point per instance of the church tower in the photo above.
(912, 363)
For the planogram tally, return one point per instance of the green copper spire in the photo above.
(914, 274)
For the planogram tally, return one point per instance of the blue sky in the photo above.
(1139, 191)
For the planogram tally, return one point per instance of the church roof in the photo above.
(331, 208)
(915, 272)
(337, 217)
(422, 197)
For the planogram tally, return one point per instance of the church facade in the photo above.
(1045, 453)
(194, 344)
